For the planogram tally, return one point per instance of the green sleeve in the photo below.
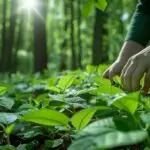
(140, 24)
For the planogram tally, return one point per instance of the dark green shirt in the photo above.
(140, 24)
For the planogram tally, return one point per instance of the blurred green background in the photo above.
(61, 34)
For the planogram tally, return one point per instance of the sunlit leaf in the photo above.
(101, 4)
(128, 102)
(53, 88)
(103, 134)
(91, 69)
(46, 117)
(88, 7)
(2, 90)
(7, 118)
(6, 102)
(65, 82)
(83, 117)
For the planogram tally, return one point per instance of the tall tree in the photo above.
(19, 38)
(40, 42)
(8, 37)
(72, 30)
(79, 33)
(63, 56)
(3, 33)
(99, 54)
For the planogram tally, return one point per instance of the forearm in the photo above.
(139, 30)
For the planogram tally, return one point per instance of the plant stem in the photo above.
(8, 138)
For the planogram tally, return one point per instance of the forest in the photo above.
(52, 93)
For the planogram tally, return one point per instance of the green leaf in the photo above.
(101, 4)
(125, 123)
(2, 90)
(101, 69)
(7, 118)
(90, 69)
(88, 7)
(103, 134)
(10, 128)
(146, 118)
(105, 87)
(53, 143)
(6, 102)
(22, 147)
(65, 82)
(53, 88)
(7, 147)
(83, 117)
(46, 117)
(128, 102)
(85, 91)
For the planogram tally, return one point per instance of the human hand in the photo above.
(129, 49)
(114, 69)
(134, 70)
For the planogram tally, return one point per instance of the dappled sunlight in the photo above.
(30, 6)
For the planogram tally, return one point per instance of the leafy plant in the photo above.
(74, 110)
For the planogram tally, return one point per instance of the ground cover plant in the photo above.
(75, 110)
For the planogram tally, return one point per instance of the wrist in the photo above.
(129, 49)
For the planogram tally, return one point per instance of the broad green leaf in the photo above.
(52, 81)
(91, 69)
(10, 128)
(128, 102)
(105, 87)
(22, 147)
(88, 7)
(65, 82)
(25, 106)
(30, 133)
(146, 118)
(83, 117)
(6, 102)
(53, 143)
(101, 4)
(2, 90)
(7, 147)
(76, 102)
(53, 88)
(7, 118)
(101, 69)
(85, 91)
(125, 123)
(46, 117)
(103, 134)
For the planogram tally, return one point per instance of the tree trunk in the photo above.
(63, 55)
(73, 52)
(40, 47)
(8, 38)
(3, 34)
(99, 53)
(79, 34)
(20, 39)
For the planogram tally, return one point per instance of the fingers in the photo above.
(146, 83)
(110, 73)
(131, 76)
(106, 74)
(136, 78)
(126, 75)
